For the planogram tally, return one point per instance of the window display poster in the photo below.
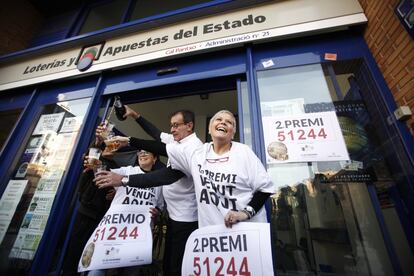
(48, 122)
(122, 238)
(244, 249)
(41, 203)
(8, 203)
(308, 137)
(26, 244)
(71, 124)
(50, 181)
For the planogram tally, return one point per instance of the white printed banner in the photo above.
(244, 249)
(122, 238)
(48, 122)
(71, 124)
(8, 203)
(307, 137)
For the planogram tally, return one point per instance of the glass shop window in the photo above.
(104, 15)
(28, 198)
(146, 8)
(325, 152)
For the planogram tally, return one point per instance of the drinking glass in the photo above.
(93, 157)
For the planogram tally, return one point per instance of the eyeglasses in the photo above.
(176, 125)
(218, 160)
(143, 153)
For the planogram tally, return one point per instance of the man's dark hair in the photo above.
(188, 116)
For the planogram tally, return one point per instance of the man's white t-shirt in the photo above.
(222, 182)
(137, 196)
(180, 196)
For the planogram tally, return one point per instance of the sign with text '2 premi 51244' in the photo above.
(307, 137)
(244, 249)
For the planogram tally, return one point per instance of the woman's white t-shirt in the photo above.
(137, 196)
(222, 182)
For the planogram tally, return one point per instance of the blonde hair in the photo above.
(233, 119)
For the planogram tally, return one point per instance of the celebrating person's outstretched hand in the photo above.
(108, 179)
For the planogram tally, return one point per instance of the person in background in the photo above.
(231, 183)
(93, 205)
(142, 196)
(180, 196)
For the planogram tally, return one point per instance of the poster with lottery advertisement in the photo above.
(48, 123)
(307, 137)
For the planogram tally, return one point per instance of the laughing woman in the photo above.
(231, 183)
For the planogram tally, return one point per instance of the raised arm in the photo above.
(161, 177)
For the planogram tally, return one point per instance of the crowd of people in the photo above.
(220, 182)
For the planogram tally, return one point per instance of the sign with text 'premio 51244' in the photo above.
(244, 249)
(122, 238)
(307, 137)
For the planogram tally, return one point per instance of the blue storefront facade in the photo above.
(348, 212)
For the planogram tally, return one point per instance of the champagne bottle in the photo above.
(119, 108)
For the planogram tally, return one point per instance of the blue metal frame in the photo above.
(255, 113)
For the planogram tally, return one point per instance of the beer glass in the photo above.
(108, 130)
(111, 143)
(93, 157)
(98, 169)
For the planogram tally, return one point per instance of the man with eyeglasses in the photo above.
(179, 196)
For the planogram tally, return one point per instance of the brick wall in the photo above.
(19, 22)
(393, 49)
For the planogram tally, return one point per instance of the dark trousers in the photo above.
(83, 228)
(175, 239)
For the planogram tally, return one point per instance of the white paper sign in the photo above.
(71, 124)
(122, 238)
(307, 137)
(48, 122)
(244, 249)
(8, 203)
(26, 244)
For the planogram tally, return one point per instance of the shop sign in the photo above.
(307, 137)
(234, 28)
(244, 249)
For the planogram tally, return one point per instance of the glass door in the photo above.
(34, 177)
(325, 151)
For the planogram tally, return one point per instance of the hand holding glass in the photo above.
(98, 169)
